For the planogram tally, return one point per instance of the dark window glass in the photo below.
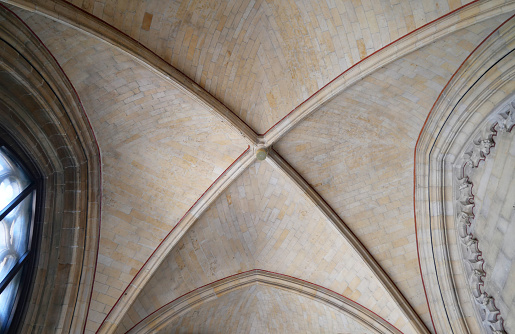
(17, 196)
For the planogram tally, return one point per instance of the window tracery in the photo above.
(17, 195)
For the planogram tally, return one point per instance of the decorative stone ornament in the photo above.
(478, 150)
(261, 154)
(460, 201)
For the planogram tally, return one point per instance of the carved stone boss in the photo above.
(478, 150)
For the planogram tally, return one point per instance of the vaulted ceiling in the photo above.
(181, 95)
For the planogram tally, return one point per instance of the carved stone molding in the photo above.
(501, 122)
(42, 117)
(153, 322)
(459, 133)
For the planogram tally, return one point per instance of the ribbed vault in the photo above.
(278, 52)
(339, 216)
(262, 309)
(262, 221)
(317, 305)
(154, 141)
(356, 151)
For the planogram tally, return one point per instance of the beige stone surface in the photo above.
(357, 152)
(291, 286)
(472, 98)
(160, 152)
(263, 58)
(494, 226)
(262, 221)
(44, 125)
(267, 309)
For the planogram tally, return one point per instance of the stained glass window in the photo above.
(17, 196)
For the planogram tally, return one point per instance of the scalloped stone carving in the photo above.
(502, 122)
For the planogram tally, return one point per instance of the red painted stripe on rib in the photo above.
(415, 157)
(282, 119)
(169, 233)
(96, 143)
(100, 201)
(267, 271)
(359, 62)
(156, 55)
(349, 230)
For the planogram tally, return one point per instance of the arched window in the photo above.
(17, 212)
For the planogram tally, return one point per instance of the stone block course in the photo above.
(161, 149)
(280, 54)
(357, 155)
(493, 226)
(126, 123)
(305, 315)
(246, 232)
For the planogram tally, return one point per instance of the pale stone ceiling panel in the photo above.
(263, 309)
(263, 58)
(160, 151)
(263, 221)
(357, 152)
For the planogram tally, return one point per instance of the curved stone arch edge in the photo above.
(75, 17)
(459, 18)
(440, 205)
(500, 122)
(42, 61)
(454, 90)
(212, 291)
(153, 262)
(466, 15)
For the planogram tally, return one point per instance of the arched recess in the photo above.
(454, 130)
(210, 292)
(42, 119)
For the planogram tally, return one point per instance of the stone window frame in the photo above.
(42, 119)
